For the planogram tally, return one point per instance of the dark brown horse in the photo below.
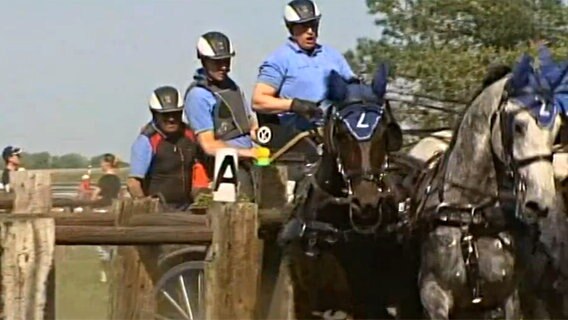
(341, 243)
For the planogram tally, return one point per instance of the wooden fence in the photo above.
(236, 235)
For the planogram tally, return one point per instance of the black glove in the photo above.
(306, 109)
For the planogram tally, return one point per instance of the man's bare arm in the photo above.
(134, 186)
(210, 145)
(264, 100)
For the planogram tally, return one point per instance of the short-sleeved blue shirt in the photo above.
(295, 73)
(199, 107)
(140, 157)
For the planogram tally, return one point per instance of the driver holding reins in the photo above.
(292, 81)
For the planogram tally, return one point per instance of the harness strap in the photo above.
(330, 199)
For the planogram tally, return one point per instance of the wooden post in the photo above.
(234, 262)
(27, 247)
(133, 269)
(272, 186)
(32, 190)
(276, 288)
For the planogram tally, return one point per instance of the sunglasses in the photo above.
(314, 25)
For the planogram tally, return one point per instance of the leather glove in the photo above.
(306, 109)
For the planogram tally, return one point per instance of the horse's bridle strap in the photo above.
(330, 199)
(530, 160)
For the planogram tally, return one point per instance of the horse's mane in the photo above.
(494, 73)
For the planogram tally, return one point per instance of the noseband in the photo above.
(367, 174)
(508, 163)
(511, 164)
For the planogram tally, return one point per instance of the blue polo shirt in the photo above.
(199, 106)
(295, 73)
(140, 157)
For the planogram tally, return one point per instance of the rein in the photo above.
(315, 231)
(509, 163)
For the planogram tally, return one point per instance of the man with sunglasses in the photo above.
(12, 160)
(216, 108)
(165, 157)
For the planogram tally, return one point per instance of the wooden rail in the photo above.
(141, 229)
(232, 232)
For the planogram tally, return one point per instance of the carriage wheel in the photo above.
(180, 292)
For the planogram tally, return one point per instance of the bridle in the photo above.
(509, 164)
(374, 175)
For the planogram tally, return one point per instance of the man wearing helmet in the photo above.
(11, 156)
(216, 109)
(165, 156)
(293, 79)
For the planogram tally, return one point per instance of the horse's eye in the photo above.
(520, 128)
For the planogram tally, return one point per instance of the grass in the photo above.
(80, 295)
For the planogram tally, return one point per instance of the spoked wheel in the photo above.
(180, 292)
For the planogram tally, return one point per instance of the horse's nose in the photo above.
(536, 208)
(364, 209)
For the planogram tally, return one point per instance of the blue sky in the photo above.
(75, 76)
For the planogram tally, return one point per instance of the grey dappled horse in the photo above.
(333, 243)
(502, 144)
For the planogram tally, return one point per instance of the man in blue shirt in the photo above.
(165, 158)
(293, 79)
(216, 109)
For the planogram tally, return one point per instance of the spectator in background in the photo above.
(108, 187)
(12, 159)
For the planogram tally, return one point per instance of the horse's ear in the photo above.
(545, 58)
(394, 137)
(337, 87)
(521, 73)
(549, 69)
(380, 79)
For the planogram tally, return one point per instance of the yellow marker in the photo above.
(262, 156)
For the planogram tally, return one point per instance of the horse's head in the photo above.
(359, 133)
(524, 130)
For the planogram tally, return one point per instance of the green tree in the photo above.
(70, 160)
(443, 47)
(40, 160)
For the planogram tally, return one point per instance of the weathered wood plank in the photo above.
(272, 186)
(233, 272)
(7, 202)
(32, 191)
(27, 255)
(268, 217)
(140, 235)
(134, 269)
(27, 246)
(148, 219)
